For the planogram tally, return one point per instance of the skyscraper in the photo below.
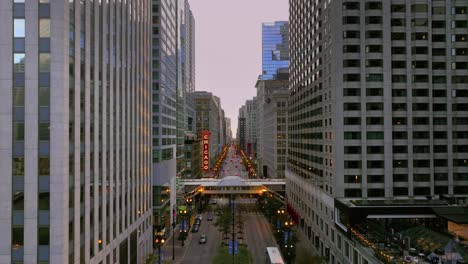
(74, 148)
(228, 130)
(207, 112)
(173, 110)
(275, 49)
(376, 113)
(241, 129)
(251, 127)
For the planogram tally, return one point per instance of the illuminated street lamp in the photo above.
(159, 241)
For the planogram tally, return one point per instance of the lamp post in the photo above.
(189, 201)
(159, 242)
(183, 229)
(233, 226)
(173, 238)
(288, 242)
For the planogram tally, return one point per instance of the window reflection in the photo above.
(19, 28)
(44, 28)
(44, 62)
(19, 61)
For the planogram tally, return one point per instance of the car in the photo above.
(197, 221)
(210, 217)
(199, 217)
(195, 228)
(202, 239)
(214, 202)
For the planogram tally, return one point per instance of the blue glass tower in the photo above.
(275, 49)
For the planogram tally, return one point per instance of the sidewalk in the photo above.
(179, 250)
(167, 249)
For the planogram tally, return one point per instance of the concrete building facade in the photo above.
(376, 110)
(241, 133)
(272, 101)
(251, 127)
(228, 130)
(74, 151)
(207, 118)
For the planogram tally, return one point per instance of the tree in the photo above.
(224, 220)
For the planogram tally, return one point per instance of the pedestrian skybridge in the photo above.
(232, 185)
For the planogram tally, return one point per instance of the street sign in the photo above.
(236, 247)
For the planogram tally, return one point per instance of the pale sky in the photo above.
(228, 35)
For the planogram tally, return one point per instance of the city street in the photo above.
(202, 253)
(233, 165)
(257, 234)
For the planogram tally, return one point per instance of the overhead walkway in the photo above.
(233, 185)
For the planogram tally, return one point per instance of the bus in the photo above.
(273, 256)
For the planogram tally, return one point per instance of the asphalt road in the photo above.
(233, 165)
(257, 233)
(258, 236)
(203, 253)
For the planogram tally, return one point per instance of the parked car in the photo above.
(199, 217)
(202, 239)
(195, 228)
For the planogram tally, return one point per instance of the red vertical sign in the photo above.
(206, 150)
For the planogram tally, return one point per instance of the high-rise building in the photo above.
(272, 103)
(74, 148)
(223, 129)
(207, 119)
(275, 49)
(251, 127)
(228, 130)
(377, 110)
(192, 157)
(241, 135)
(173, 113)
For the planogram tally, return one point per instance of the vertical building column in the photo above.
(6, 112)
(31, 131)
(59, 131)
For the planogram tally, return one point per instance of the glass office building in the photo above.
(173, 84)
(275, 49)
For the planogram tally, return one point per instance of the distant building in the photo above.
(228, 130)
(275, 49)
(251, 127)
(208, 118)
(272, 101)
(241, 129)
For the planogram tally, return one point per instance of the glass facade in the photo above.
(173, 84)
(275, 49)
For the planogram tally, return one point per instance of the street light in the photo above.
(159, 242)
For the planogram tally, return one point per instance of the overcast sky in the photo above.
(229, 47)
